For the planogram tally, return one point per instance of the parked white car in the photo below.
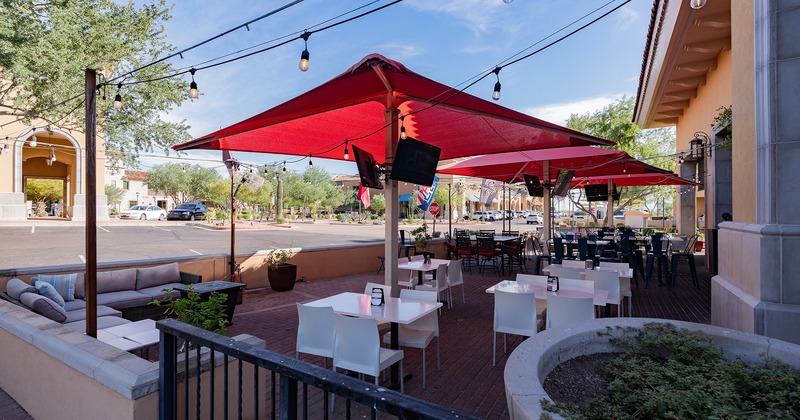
(143, 212)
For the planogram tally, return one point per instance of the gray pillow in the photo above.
(157, 276)
(44, 306)
(15, 287)
(80, 286)
(116, 281)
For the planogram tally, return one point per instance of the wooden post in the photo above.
(91, 202)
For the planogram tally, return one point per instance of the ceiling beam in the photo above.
(690, 82)
(710, 46)
(719, 20)
(702, 66)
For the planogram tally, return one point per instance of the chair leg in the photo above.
(648, 272)
(424, 362)
(463, 295)
(494, 348)
(693, 269)
(402, 379)
(673, 277)
(438, 356)
(505, 343)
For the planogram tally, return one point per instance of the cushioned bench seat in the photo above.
(76, 311)
(123, 299)
(102, 322)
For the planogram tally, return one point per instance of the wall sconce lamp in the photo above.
(697, 145)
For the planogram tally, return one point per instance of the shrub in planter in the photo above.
(210, 315)
(280, 272)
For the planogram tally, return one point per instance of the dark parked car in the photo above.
(188, 211)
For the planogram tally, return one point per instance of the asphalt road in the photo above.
(36, 244)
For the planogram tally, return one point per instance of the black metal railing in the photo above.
(280, 398)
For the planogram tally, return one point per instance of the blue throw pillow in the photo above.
(63, 283)
(47, 290)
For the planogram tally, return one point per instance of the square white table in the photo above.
(394, 310)
(420, 267)
(599, 296)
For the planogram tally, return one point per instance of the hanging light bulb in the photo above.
(346, 153)
(33, 141)
(118, 97)
(310, 163)
(697, 4)
(304, 55)
(5, 147)
(284, 166)
(193, 93)
(403, 134)
(496, 93)
(52, 155)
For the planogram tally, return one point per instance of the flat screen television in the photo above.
(535, 188)
(415, 162)
(562, 182)
(596, 192)
(367, 169)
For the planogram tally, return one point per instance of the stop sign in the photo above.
(434, 208)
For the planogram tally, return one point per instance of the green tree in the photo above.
(183, 182)
(40, 190)
(377, 203)
(46, 46)
(114, 194)
(654, 146)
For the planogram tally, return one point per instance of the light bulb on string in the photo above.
(118, 97)
(284, 166)
(497, 86)
(697, 4)
(193, 92)
(34, 143)
(52, 155)
(403, 134)
(304, 55)
(310, 163)
(346, 153)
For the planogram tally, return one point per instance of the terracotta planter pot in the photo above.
(282, 277)
(698, 246)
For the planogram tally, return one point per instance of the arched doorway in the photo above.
(49, 154)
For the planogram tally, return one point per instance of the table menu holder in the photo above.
(589, 264)
(552, 284)
(377, 297)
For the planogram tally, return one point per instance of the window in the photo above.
(125, 185)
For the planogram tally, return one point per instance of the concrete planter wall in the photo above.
(535, 358)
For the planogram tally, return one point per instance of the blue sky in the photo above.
(447, 40)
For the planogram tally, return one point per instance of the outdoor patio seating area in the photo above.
(467, 381)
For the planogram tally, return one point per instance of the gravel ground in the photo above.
(580, 379)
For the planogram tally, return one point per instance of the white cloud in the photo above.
(478, 14)
(559, 113)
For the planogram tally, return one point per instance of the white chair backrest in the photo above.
(565, 310)
(573, 264)
(454, 274)
(615, 265)
(441, 277)
(428, 322)
(606, 280)
(515, 313)
(357, 346)
(575, 284)
(402, 275)
(532, 279)
(418, 257)
(565, 272)
(316, 330)
(387, 290)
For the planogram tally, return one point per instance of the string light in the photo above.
(496, 93)
(310, 163)
(697, 4)
(346, 153)
(304, 55)
(284, 166)
(193, 93)
(34, 143)
(403, 134)
(118, 97)
(52, 156)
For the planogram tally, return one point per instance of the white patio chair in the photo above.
(439, 285)
(357, 348)
(455, 277)
(421, 332)
(405, 278)
(316, 331)
(533, 279)
(565, 310)
(576, 284)
(607, 280)
(624, 282)
(514, 313)
(573, 264)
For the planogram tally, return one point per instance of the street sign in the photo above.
(434, 208)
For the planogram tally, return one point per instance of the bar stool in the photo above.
(656, 255)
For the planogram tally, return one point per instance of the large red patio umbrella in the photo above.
(364, 106)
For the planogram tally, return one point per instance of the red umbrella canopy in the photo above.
(584, 160)
(351, 107)
(633, 180)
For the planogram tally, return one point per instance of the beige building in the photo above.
(46, 152)
(742, 54)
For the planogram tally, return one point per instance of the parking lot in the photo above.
(46, 243)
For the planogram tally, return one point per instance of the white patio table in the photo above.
(599, 297)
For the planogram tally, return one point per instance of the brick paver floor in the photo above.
(467, 380)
